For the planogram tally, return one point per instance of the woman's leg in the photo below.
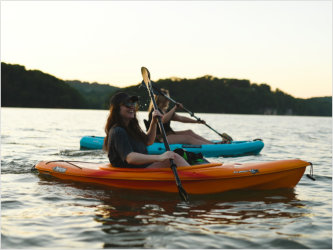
(185, 139)
(179, 161)
(194, 135)
(204, 141)
(191, 133)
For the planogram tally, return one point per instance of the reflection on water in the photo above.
(77, 153)
(133, 219)
(40, 212)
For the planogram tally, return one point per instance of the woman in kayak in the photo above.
(126, 143)
(183, 136)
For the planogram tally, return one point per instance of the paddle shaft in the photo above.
(181, 190)
(160, 124)
(188, 111)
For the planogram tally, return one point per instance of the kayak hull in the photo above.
(198, 179)
(236, 148)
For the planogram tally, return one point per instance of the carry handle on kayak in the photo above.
(158, 91)
(146, 79)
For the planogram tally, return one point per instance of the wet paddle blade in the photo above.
(145, 75)
(182, 193)
(227, 137)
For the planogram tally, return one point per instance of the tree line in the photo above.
(33, 88)
(207, 94)
(97, 95)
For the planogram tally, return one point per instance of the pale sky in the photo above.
(286, 44)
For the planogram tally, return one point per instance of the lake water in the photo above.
(48, 213)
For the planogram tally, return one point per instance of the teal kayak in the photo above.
(235, 148)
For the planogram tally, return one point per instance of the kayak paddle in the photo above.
(158, 91)
(146, 79)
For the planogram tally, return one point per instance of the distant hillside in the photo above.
(97, 95)
(33, 88)
(207, 94)
(321, 106)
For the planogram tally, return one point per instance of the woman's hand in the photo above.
(201, 121)
(179, 105)
(151, 133)
(168, 155)
(155, 115)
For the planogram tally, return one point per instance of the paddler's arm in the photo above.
(138, 158)
(151, 134)
(169, 115)
(185, 119)
(172, 115)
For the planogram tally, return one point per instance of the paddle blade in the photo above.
(227, 137)
(182, 193)
(156, 91)
(145, 75)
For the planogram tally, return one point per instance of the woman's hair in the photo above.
(161, 101)
(115, 119)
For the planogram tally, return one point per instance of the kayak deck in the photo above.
(197, 179)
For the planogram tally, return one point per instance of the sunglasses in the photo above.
(130, 104)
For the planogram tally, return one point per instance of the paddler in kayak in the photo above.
(126, 143)
(176, 137)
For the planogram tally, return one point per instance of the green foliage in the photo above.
(207, 94)
(97, 95)
(321, 106)
(33, 88)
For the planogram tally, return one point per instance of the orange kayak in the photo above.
(197, 179)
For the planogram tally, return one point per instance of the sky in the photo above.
(285, 44)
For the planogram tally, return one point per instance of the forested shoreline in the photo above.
(207, 94)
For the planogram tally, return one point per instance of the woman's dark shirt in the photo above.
(120, 145)
(166, 125)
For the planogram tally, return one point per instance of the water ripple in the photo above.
(87, 216)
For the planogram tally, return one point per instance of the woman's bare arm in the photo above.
(169, 115)
(138, 158)
(153, 127)
(184, 119)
